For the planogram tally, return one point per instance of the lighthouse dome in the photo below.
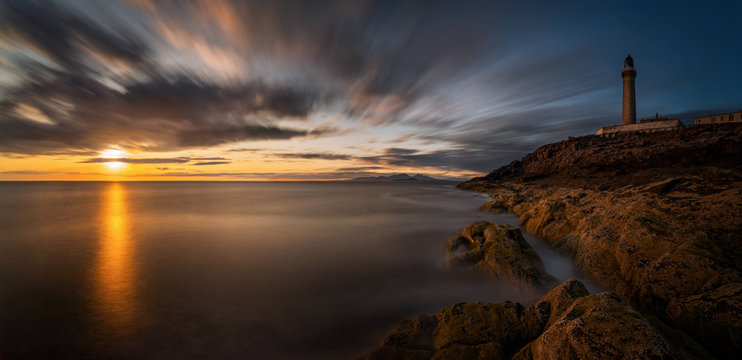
(628, 61)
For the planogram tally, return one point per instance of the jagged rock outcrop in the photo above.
(500, 252)
(655, 217)
(567, 323)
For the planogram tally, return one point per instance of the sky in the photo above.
(327, 90)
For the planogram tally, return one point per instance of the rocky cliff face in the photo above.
(567, 323)
(655, 217)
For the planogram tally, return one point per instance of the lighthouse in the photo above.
(628, 114)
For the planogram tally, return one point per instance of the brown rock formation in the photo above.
(655, 217)
(501, 252)
(566, 323)
(598, 327)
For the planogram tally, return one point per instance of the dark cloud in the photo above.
(65, 37)
(24, 172)
(311, 156)
(471, 158)
(157, 115)
(178, 160)
(399, 151)
(81, 106)
(212, 163)
(265, 175)
(207, 158)
(251, 150)
(175, 160)
(326, 175)
(361, 168)
(215, 134)
(476, 157)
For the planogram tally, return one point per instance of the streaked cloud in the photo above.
(175, 160)
(374, 85)
(312, 156)
(200, 163)
(137, 161)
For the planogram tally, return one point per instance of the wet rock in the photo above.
(410, 339)
(494, 207)
(501, 252)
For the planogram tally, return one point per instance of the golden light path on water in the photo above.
(114, 274)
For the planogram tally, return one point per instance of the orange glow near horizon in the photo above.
(113, 154)
(114, 275)
(206, 164)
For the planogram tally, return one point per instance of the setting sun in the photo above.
(113, 154)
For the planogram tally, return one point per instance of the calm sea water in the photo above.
(150, 270)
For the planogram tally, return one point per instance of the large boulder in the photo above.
(500, 252)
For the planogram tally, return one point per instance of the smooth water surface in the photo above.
(148, 270)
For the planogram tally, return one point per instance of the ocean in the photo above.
(193, 270)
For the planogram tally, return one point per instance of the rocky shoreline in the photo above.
(567, 323)
(656, 218)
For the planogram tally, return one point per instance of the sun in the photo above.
(113, 155)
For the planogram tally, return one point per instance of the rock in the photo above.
(567, 323)
(410, 339)
(501, 252)
(479, 323)
(611, 162)
(494, 207)
(653, 217)
(716, 315)
(555, 302)
(598, 327)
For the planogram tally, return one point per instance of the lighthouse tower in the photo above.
(628, 115)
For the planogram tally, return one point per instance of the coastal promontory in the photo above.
(655, 218)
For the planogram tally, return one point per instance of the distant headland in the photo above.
(397, 178)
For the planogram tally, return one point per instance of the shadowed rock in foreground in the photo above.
(567, 323)
(657, 218)
(500, 252)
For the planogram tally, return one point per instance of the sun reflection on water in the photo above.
(114, 275)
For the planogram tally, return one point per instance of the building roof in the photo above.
(729, 113)
(647, 126)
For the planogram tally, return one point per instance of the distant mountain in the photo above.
(397, 178)
(421, 177)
